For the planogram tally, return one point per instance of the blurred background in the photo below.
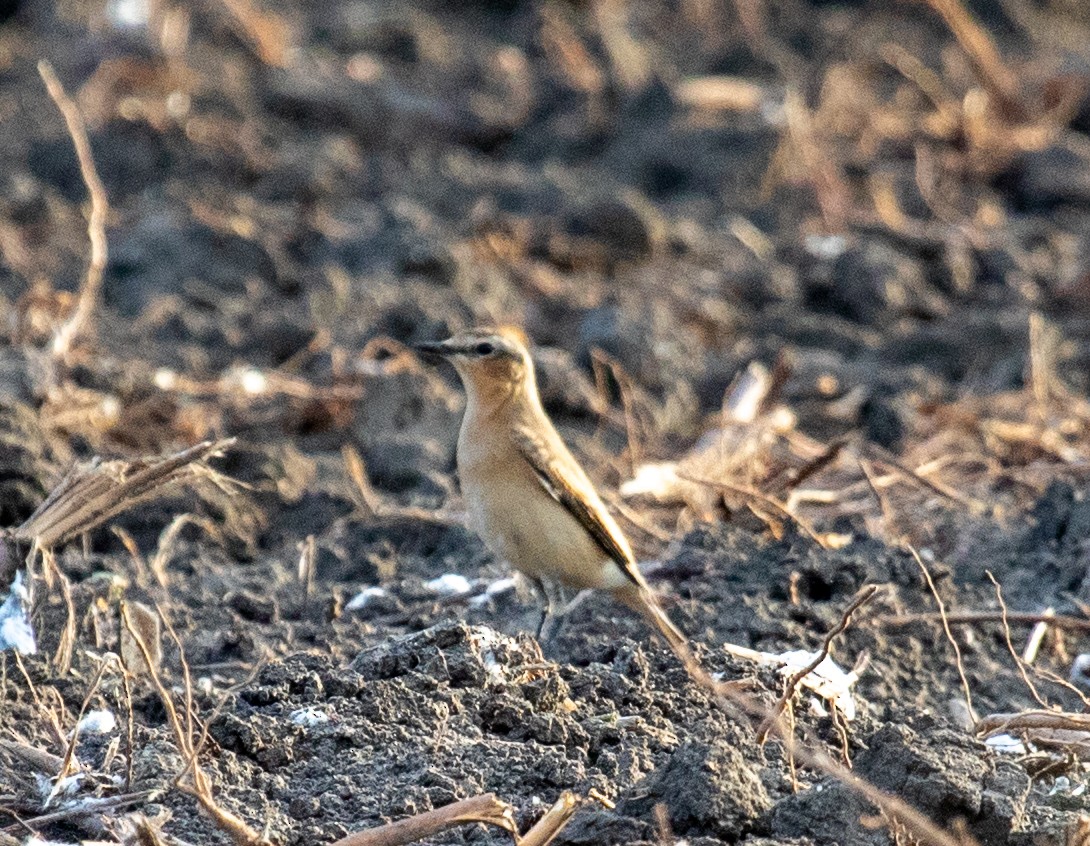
(884, 205)
(881, 209)
(887, 188)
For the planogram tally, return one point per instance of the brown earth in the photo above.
(298, 193)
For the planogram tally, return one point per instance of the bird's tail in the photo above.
(642, 599)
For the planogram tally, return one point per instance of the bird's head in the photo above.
(491, 360)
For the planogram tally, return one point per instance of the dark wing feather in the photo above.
(564, 480)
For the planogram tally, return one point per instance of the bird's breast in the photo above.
(524, 525)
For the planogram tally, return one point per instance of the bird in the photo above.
(525, 493)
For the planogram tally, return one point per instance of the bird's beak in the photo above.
(439, 349)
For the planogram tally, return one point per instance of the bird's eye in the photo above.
(485, 348)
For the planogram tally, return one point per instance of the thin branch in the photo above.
(865, 595)
(885, 457)
(236, 829)
(485, 808)
(946, 628)
(70, 752)
(994, 723)
(968, 618)
(1018, 662)
(549, 826)
(764, 499)
(96, 224)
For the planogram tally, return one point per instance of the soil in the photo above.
(300, 191)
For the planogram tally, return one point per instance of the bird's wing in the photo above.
(568, 484)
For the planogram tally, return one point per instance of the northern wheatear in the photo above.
(526, 495)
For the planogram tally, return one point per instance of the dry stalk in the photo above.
(485, 808)
(603, 363)
(730, 698)
(200, 787)
(371, 503)
(628, 59)
(862, 597)
(62, 658)
(1035, 640)
(168, 537)
(80, 319)
(946, 629)
(665, 831)
(1018, 662)
(968, 618)
(792, 765)
(633, 518)
(995, 723)
(545, 830)
(357, 472)
(720, 93)
(842, 732)
(884, 457)
(92, 493)
(1000, 81)
(138, 562)
(146, 621)
(27, 680)
(308, 561)
(889, 518)
(802, 157)
(764, 499)
(130, 730)
(815, 465)
(70, 753)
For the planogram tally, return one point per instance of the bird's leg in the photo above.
(554, 610)
(543, 594)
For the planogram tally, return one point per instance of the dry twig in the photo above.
(946, 629)
(96, 224)
(95, 492)
(550, 825)
(994, 723)
(968, 618)
(862, 597)
(1018, 662)
(485, 808)
(764, 499)
(70, 753)
(200, 785)
(884, 457)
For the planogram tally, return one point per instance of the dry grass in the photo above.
(486, 808)
(979, 456)
(80, 321)
(189, 737)
(974, 458)
(94, 492)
